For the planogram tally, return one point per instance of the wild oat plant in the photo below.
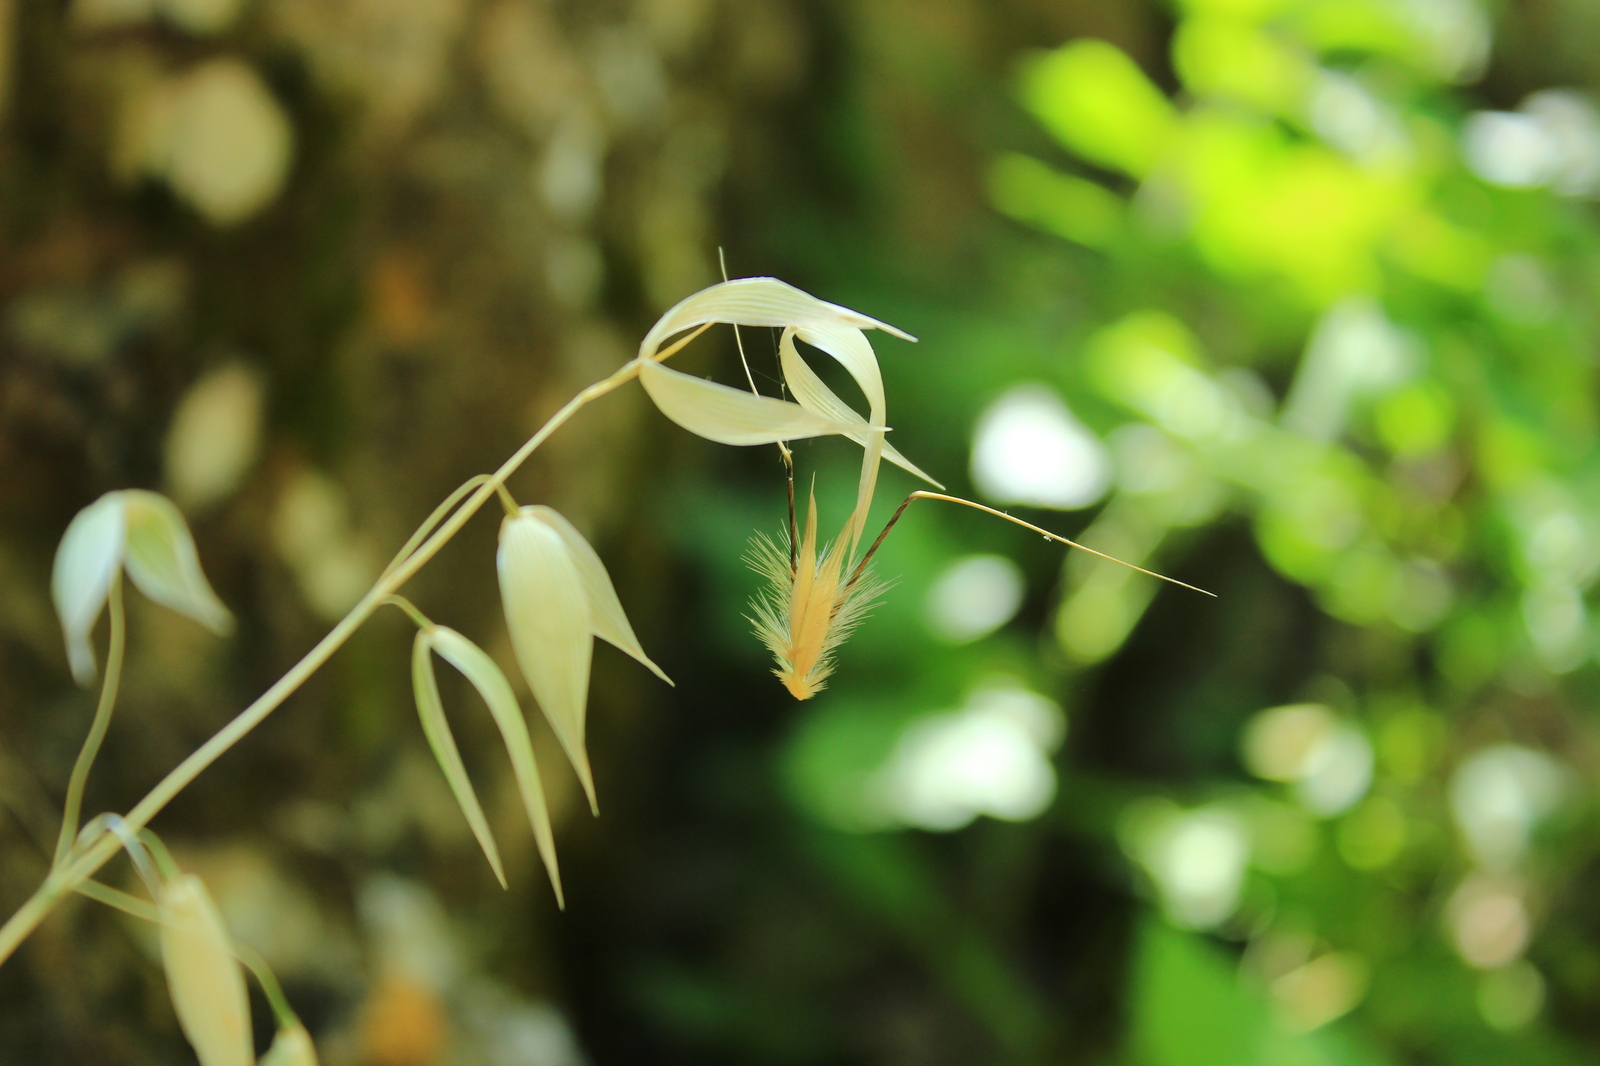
(557, 597)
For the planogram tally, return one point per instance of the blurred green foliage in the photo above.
(1323, 312)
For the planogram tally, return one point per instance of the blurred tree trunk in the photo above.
(307, 265)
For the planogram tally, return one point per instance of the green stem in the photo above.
(116, 898)
(149, 912)
(506, 500)
(83, 865)
(433, 520)
(97, 729)
(268, 982)
(411, 610)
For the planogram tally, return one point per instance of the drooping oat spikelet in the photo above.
(430, 709)
(291, 1047)
(145, 533)
(807, 610)
(476, 666)
(557, 598)
(755, 302)
(733, 416)
(204, 976)
(816, 596)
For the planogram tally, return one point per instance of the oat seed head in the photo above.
(754, 302)
(727, 415)
(804, 614)
(814, 395)
(547, 615)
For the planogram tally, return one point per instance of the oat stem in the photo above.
(80, 866)
(920, 494)
(507, 502)
(783, 446)
(97, 728)
(410, 609)
(434, 519)
(149, 912)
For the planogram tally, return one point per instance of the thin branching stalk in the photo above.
(73, 808)
(921, 494)
(410, 610)
(507, 503)
(79, 867)
(783, 446)
(434, 519)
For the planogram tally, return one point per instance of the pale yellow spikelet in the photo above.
(206, 980)
(144, 533)
(291, 1047)
(808, 609)
(557, 598)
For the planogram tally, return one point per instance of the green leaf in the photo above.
(1062, 204)
(1097, 102)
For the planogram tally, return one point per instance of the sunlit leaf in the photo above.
(1097, 101)
(1063, 204)
(1224, 57)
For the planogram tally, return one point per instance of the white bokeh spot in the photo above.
(1030, 449)
(974, 596)
(990, 757)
